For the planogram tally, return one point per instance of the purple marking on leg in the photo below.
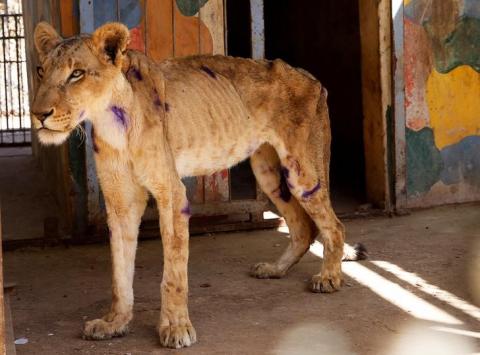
(284, 187)
(208, 71)
(309, 193)
(94, 141)
(186, 210)
(136, 73)
(120, 115)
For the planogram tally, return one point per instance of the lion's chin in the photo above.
(48, 137)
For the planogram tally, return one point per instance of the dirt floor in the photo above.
(377, 312)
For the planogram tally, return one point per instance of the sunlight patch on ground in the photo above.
(391, 292)
(430, 289)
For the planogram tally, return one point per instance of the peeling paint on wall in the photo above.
(442, 91)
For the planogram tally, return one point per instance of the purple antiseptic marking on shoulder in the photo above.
(309, 193)
(136, 73)
(120, 115)
(208, 71)
(94, 141)
(186, 210)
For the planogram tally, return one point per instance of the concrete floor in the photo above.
(377, 312)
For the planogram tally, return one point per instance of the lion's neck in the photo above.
(114, 121)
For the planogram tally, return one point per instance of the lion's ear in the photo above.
(45, 38)
(111, 41)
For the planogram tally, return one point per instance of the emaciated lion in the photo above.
(154, 123)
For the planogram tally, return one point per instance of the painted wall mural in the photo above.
(442, 96)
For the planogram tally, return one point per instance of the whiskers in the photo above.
(80, 132)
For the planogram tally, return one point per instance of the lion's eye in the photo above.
(76, 74)
(40, 72)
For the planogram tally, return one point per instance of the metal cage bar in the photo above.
(14, 107)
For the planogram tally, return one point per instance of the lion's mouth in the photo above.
(49, 129)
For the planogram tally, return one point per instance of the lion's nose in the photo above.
(42, 116)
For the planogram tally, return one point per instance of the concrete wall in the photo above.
(442, 95)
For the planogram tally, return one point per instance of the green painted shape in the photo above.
(424, 162)
(461, 47)
(190, 7)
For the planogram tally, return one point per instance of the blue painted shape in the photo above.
(104, 11)
(130, 12)
(461, 162)
(471, 8)
(418, 11)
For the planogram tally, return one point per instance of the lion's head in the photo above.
(77, 77)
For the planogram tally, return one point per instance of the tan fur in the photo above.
(155, 123)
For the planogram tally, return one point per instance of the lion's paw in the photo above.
(99, 329)
(266, 271)
(177, 336)
(326, 284)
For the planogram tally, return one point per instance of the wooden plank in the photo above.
(375, 51)
(68, 21)
(159, 29)
(212, 41)
(3, 349)
(258, 29)
(132, 14)
(186, 35)
(212, 28)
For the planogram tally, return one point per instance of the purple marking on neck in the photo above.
(136, 73)
(208, 71)
(94, 141)
(120, 115)
(186, 210)
(309, 193)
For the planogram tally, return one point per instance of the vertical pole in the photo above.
(399, 107)
(93, 189)
(258, 29)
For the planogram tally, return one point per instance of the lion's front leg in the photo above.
(125, 202)
(174, 327)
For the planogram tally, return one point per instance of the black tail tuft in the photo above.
(355, 253)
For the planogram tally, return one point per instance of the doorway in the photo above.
(322, 37)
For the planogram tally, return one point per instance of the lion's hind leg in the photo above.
(267, 169)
